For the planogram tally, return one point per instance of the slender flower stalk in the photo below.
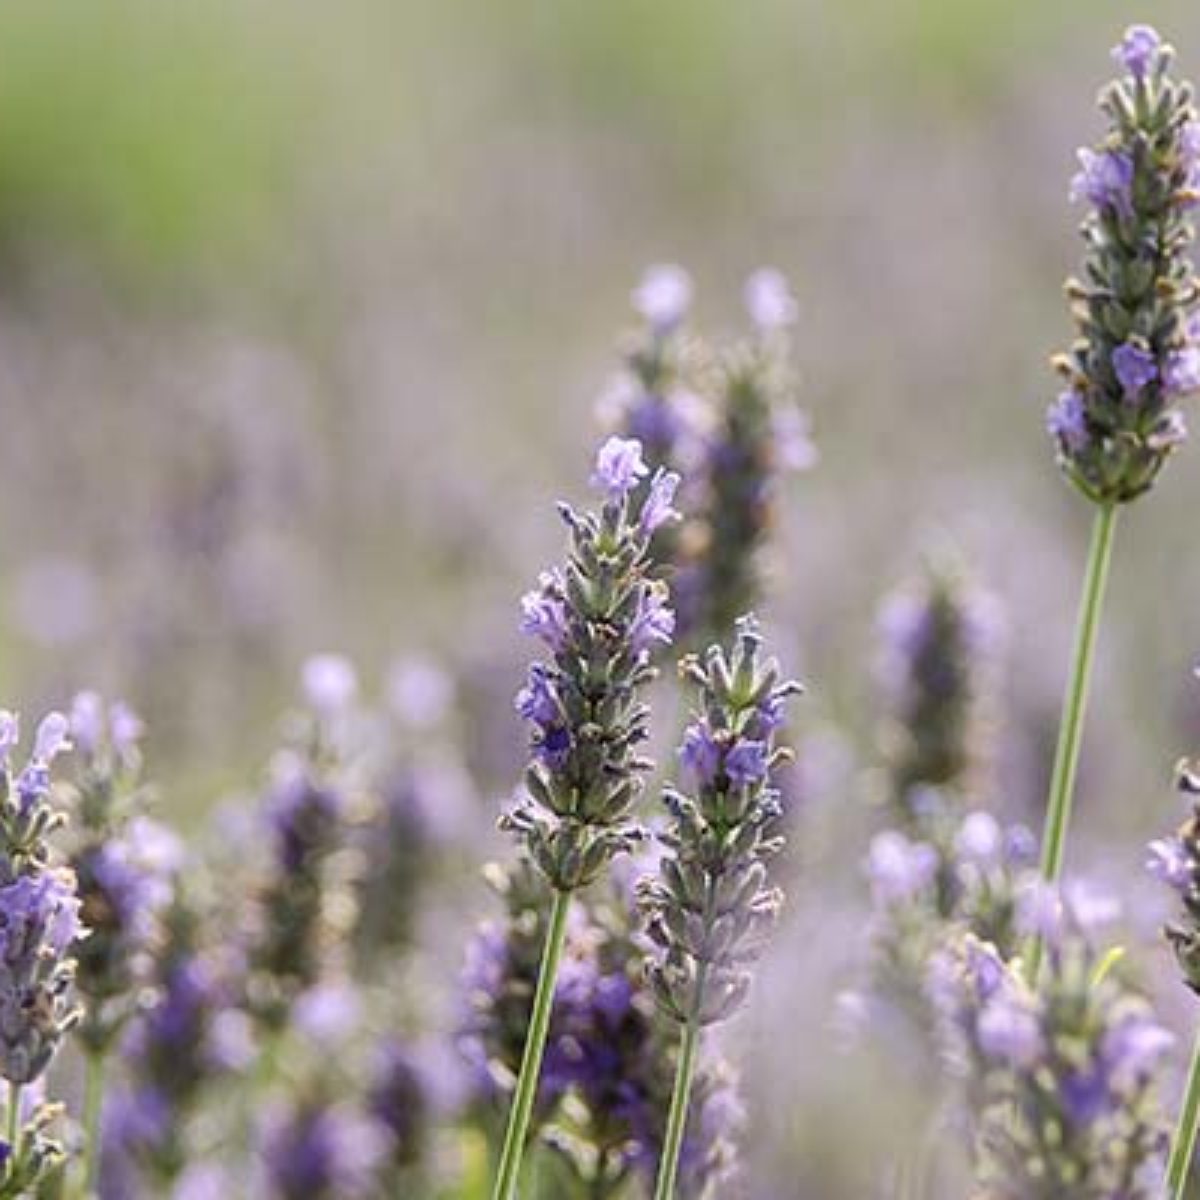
(600, 619)
(1175, 861)
(1117, 421)
(710, 908)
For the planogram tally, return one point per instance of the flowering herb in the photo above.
(710, 907)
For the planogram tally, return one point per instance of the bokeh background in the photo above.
(304, 309)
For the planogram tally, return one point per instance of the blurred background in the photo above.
(304, 309)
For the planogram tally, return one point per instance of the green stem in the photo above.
(1070, 731)
(1183, 1144)
(685, 1072)
(531, 1061)
(14, 1120)
(93, 1103)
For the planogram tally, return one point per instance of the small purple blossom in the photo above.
(1135, 368)
(1181, 371)
(1168, 861)
(1066, 419)
(663, 297)
(1009, 1031)
(537, 701)
(658, 510)
(619, 467)
(653, 622)
(329, 683)
(898, 868)
(700, 755)
(747, 762)
(52, 738)
(979, 839)
(1105, 180)
(544, 614)
(1138, 50)
(769, 300)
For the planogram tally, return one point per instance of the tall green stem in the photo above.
(1070, 731)
(531, 1061)
(14, 1119)
(685, 1072)
(1183, 1144)
(93, 1103)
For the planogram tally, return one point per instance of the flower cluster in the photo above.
(39, 929)
(610, 1059)
(308, 813)
(125, 863)
(981, 881)
(756, 433)
(940, 635)
(317, 1150)
(189, 1036)
(653, 399)
(710, 908)
(1063, 1079)
(599, 618)
(1138, 350)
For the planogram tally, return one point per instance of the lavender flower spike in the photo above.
(599, 617)
(1134, 358)
(710, 907)
(39, 928)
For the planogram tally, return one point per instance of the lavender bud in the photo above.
(1175, 861)
(1114, 426)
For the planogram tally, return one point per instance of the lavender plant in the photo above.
(1175, 861)
(125, 864)
(39, 928)
(1062, 1080)
(1137, 354)
(610, 1055)
(188, 1037)
(299, 909)
(710, 907)
(757, 434)
(940, 635)
(599, 618)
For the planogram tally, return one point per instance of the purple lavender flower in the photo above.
(700, 755)
(769, 300)
(1181, 371)
(605, 614)
(330, 684)
(664, 296)
(1082, 1055)
(1138, 51)
(619, 467)
(318, 1151)
(41, 923)
(1169, 861)
(1066, 420)
(709, 908)
(747, 762)
(898, 868)
(1105, 180)
(1135, 368)
(1114, 426)
(658, 510)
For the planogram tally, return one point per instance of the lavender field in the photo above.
(599, 601)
